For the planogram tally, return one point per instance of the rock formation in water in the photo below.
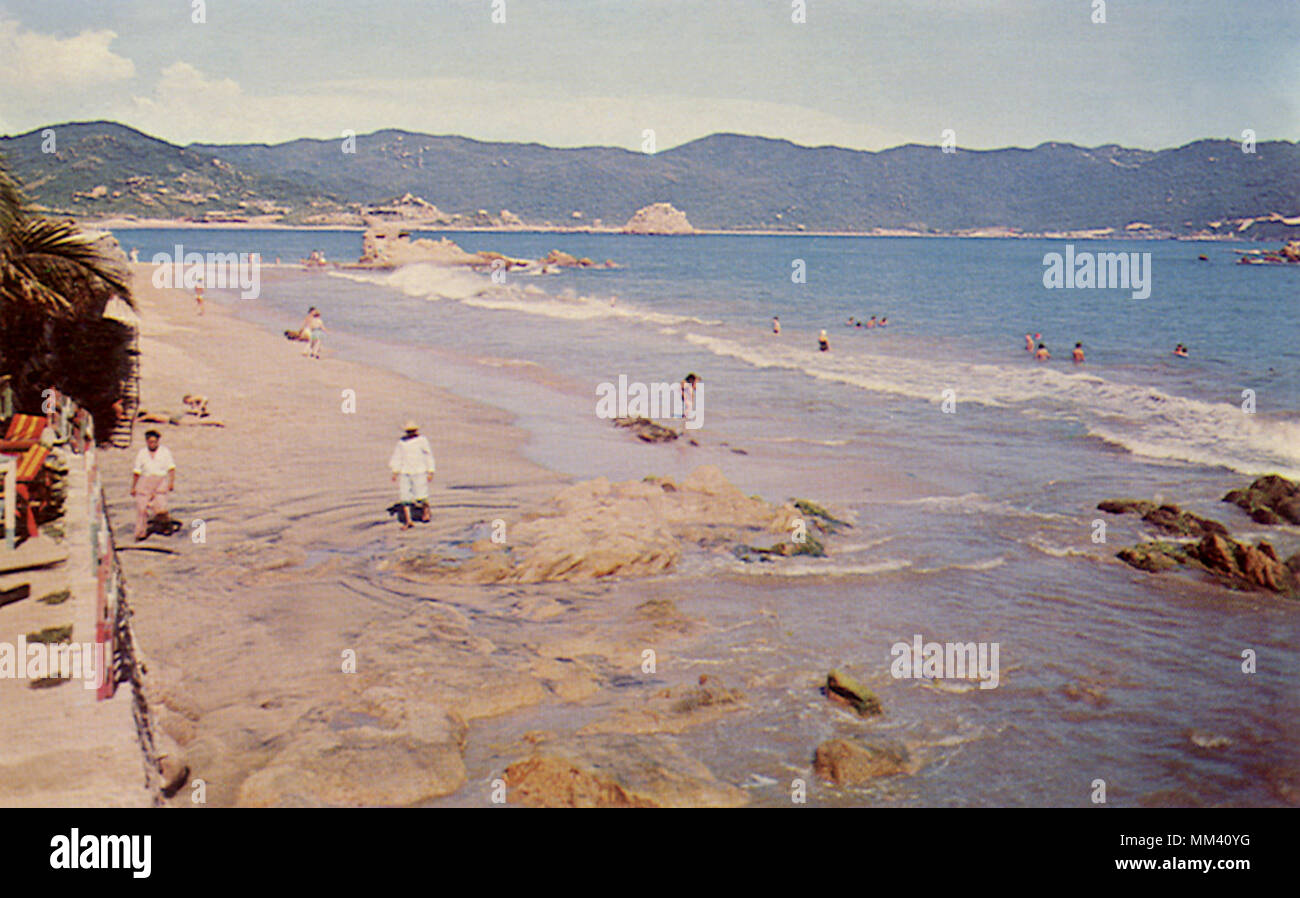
(1269, 500)
(388, 246)
(658, 218)
(596, 529)
(848, 763)
(1238, 565)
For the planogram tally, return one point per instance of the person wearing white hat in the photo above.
(412, 467)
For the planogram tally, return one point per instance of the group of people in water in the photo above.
(823, 342)
(1042, 355)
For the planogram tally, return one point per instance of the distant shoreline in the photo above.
(164, 224)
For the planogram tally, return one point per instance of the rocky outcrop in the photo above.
(1235, 564)
(1169, 518)
(646, 430)
(597, 529)
(392, 247)
(616, 772)
(387, 749)
(848, 763)
(658, 218)
(1269, 500)
(673, 710)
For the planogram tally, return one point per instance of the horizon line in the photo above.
(716, 134)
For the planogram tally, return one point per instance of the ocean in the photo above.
(971, 473)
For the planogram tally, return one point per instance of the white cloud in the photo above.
(187, 105)
(39, 65)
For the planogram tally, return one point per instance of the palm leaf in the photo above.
(52, 265)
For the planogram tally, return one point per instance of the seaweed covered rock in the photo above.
(842, 688)
(646, 430)
(1169, 518)
(1235, 564)
(1269, 500)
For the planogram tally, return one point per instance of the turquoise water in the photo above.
(974, 524)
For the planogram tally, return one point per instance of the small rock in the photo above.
(840, 687)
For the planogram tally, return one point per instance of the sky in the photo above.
(866, 74)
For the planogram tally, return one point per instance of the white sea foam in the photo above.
(822, 568)
(437, 282)
(1143, 420)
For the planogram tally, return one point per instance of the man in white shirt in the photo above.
(412, 467)
(154, 477)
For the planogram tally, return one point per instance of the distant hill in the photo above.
(725, 181)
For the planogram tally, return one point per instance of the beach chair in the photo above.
(23, 433)
(33, 488)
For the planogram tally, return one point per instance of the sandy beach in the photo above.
(252, 635)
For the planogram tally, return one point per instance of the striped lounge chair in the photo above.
(23, 433)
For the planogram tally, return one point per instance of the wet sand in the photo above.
(284, 665)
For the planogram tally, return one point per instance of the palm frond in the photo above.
(53, 265)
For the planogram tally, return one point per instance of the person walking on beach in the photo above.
(153, 477)
(412, 466)
(198, 297)
(315, 329)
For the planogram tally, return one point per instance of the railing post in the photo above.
(11, 500)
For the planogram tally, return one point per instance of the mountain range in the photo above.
(99, 170)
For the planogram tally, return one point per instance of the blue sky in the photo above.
(863, 73)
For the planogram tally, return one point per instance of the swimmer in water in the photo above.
(822, 343)
(1042, 354)
(849, 323)
(776, 324)
(1181, 351)
(1078, 353)
(884, 322)
(1029, 343)
(872, 321)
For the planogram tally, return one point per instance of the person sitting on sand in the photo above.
(1078, 353)
(822, 343)
(195, 405)
(413, 468)
(1042, 354)
(153, 477)
(776, 324)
